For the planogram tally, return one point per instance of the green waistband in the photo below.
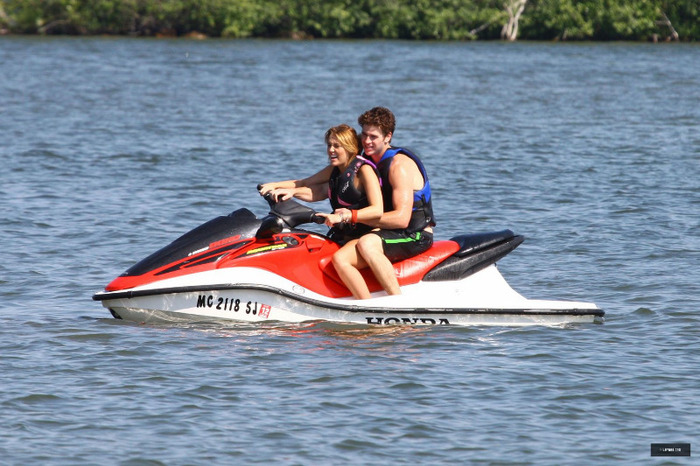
(404, 240)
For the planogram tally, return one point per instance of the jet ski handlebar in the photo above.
(286, 214)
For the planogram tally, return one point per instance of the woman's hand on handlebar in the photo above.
(330, 219)
(277, 194)
(266, 188)
(338, 216)
(282, 194)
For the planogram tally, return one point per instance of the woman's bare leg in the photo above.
(369, 248)
(347, 263)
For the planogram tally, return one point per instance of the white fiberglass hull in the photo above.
(238, 294)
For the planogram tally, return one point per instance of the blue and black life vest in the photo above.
(422, 215)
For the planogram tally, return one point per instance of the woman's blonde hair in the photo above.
(347, 137)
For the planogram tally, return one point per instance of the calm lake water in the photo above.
(113, 147)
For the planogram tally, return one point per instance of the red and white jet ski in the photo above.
(241, 268)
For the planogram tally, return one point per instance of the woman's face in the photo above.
(337, 155)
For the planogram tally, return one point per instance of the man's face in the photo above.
(374, 142)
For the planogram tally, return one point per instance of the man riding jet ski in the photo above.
(357, 187)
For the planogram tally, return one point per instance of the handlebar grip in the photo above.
(319, 219)
(268, 197)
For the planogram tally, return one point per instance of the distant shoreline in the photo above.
(195, 36)
(442, 20)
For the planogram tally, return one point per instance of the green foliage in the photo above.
(243, 19)
(609, 20)
(634, 19)
(685, 17)
(558, 19)
(391, 19)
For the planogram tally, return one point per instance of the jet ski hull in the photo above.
(251, 295)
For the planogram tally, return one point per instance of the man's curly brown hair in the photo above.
(381, 117)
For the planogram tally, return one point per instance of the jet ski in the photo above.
(239, 267)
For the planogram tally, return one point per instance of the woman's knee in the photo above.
(341, 258)
(337, 258)
(369, 244)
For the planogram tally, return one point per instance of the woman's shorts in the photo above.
(399, 244)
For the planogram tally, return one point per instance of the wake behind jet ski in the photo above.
(242, 268)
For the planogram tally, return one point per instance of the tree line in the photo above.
(635, 20)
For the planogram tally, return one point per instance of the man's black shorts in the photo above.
(399, 245)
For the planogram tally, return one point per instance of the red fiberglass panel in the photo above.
(305, 259)
(295, 257)
(196, 262)
(309, 263)
(408, 271)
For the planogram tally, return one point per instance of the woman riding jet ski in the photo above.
(351, 183)
(242, 268)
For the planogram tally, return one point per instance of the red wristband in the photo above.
(354, 216)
